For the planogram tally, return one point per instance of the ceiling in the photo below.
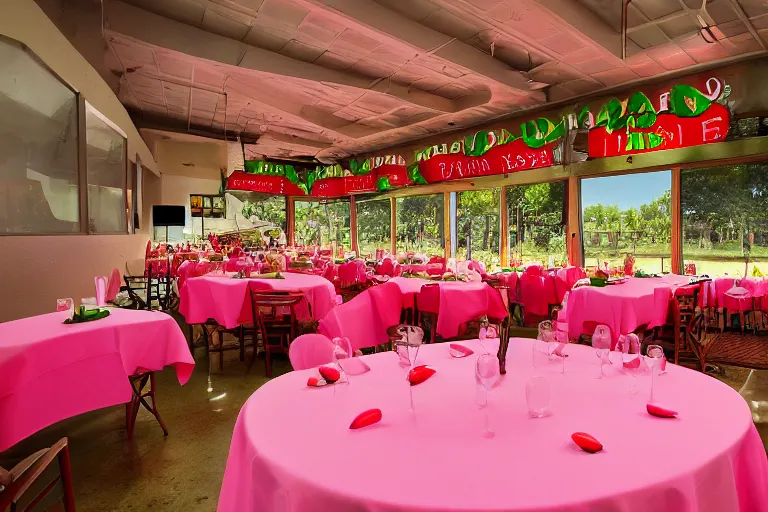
(328, 79)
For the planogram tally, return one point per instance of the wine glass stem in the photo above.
(487, 413)
(653, 382)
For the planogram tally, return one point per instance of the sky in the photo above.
(626, 191)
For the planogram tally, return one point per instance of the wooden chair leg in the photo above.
(221, 350)
(66, 480)
(242, 343)
(191, 339)
(267, 359)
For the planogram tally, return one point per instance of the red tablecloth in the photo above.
(292, 448)
(223, 298)
(50, 371)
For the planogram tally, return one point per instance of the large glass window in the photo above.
(322, 223)
(725, 219)
(477, 218)
(373, 225)
(38, 147)
(628, 214)
(420, 224)
(106, 175)
(263, 209)
(536, 215)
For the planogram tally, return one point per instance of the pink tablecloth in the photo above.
(50, 371)
(457, 303)
(223, 298)
(292, 449)
(622, 307)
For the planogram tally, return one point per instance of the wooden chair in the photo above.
(270, 323)
(715, 346)
(213, 332)
(146, 291)
(15, 483)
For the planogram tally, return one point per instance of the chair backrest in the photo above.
(365, 318)
(19, 480)
(386, 267)
(310, 351)
(348, 274)
(428, 298)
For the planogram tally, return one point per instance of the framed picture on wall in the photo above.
(196, 206)
(207, 206)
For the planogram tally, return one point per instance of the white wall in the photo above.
(39, 269)
(189, 168)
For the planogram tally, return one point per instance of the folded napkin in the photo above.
(269, 275)
(83, 315)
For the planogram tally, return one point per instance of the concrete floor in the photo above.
(183, 472)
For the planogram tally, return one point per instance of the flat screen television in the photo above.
(168, 215)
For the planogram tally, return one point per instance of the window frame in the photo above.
(82, 160)
(79, 119)
(83, 144)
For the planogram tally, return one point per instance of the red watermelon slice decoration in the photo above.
(660, 412)
(419, 374)
(366, 418)
(586, 442)
(330, 374)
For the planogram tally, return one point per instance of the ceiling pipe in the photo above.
(624, 12)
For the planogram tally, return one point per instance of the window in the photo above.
(105, 151)
(536, 215)
(477, 219)
(322, 223)
(373, 225)
(626, 214)
(725, 219)
(38, 147)
(420, 224)
(263, 209)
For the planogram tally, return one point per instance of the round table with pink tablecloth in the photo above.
(225, 298)
(622, 307)
(292, 448)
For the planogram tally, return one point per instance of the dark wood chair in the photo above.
(148, 291)
(714, 346)
(271, 324)
(15, 483)
(214, 336)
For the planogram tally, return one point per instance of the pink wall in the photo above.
(36, 270)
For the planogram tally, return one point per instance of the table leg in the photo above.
(139, 382)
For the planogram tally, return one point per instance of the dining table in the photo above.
(624, 306)
(293, 448)
(455, 303)
(225, 297)
(50, 371)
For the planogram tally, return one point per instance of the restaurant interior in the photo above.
(384, 255)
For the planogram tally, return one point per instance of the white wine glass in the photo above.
(487, 373)
(601, 342)
(654, 355)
